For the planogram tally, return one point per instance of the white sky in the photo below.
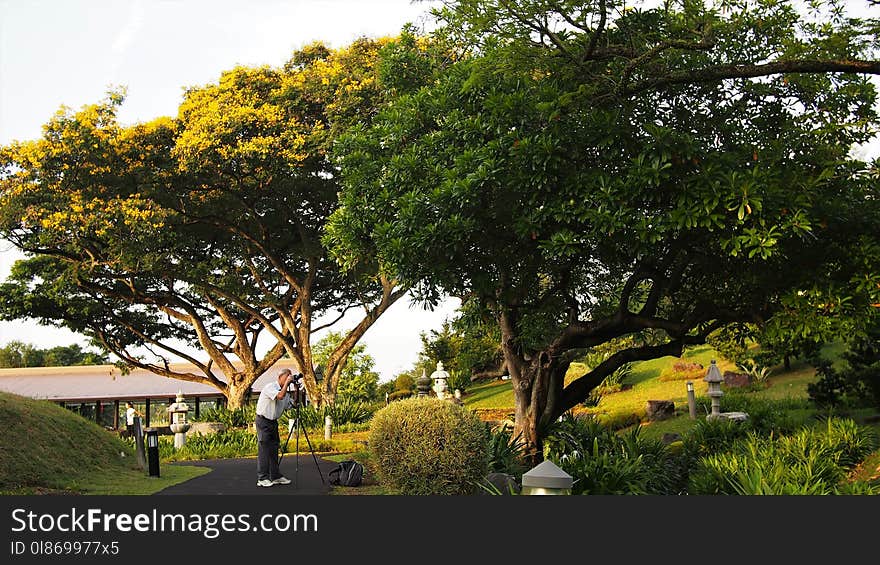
(69, 52)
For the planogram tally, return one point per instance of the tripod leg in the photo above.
(296, 472)
(283, 449)
(320, 474)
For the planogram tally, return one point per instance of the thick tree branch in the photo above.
(721, 72)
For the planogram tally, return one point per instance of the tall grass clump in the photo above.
(604, 462)
(815, 460)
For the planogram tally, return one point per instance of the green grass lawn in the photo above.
(48, 449)
(622, 405)
(628, 406)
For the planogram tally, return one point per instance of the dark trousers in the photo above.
(268, 443)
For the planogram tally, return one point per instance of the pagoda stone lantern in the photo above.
(177, 414)
(714, 379)
(439, 377)
(423, 385)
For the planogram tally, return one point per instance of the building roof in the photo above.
(106, 382)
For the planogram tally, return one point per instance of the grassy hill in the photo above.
(494, 400)
(45, 448)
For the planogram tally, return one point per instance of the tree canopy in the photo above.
(591, 173)
(202, 229)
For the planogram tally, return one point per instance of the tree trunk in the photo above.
(237, 392)
(525, 425)
(538, 392)
(537, 389)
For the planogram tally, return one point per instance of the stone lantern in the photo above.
(177, 415)
(423, 385)
(439, 377)
(714, 379)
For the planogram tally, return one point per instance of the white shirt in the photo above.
(129, 416)
(268, 406)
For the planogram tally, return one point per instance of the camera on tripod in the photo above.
(297, 390)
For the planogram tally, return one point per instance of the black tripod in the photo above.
(297, 402)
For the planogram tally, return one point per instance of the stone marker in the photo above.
(732, 379)
(659, 409)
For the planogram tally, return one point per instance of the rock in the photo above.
(659, 409)
(670, 437)
(206, 428)
(735, 416)
(733, 379)
(506, 484)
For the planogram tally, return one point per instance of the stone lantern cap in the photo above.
(440, 373)
(713, 375)
(547, 475)
(180, 405)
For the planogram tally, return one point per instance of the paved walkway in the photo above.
(239, 476)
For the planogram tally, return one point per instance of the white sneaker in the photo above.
(265, 483)
(281, 481)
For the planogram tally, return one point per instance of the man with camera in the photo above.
(274, 399)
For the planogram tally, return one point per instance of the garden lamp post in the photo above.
(152, 437)
(177, 412)
(714, 378)
(546, 478)
(692, 401)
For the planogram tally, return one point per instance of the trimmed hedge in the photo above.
(429, 446)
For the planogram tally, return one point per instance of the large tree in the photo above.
(203, 229)
(595, 174)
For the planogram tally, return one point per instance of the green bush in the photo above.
(221, 445)
(765, 416)
(400, 394)
(506, 452)
(429, 446)
(342, 412)
(238, 418)
(683, 371)
(604, 462)
(812, 461)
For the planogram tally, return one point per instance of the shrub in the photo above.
(683, 371)
(400, 394)
(344, 411)
(858, 382)
(603, 462)
(506, 452)
(238, 418)
(765, 416)
(429, 446)
(613, 382)
(458, 380)
(811, 461)
(708, 437)
(753, 369)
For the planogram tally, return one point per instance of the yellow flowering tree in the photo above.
(203, 230)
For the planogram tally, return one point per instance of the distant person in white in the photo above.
(273, 401)
(130, 413)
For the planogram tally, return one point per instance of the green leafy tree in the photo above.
(358, 380)
(588, 172)
(201, 231)
(469, 350)
(18, 354)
